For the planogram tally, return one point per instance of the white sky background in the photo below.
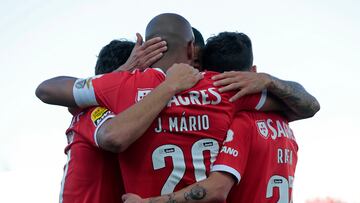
(313, 42)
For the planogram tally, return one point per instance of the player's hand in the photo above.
(132, 198)
(144, 54)
(181, 76)
(245, 82)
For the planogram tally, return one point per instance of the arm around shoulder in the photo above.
(300, 102)
(57, 91)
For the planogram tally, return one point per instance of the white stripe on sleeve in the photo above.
(262, 100)
(97, 128)
(84, 94)
(228, 169)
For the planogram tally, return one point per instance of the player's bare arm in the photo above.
(59, 90)
(120, 132)
(213, 189)
(301, 103)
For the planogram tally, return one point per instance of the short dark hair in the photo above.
(227, 51)
(113, 55)
(199, 40)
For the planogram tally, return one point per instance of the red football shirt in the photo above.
(261, 152)
(182, 143)
(91, 174)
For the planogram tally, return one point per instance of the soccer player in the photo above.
(92, 174)
(259, 154)
(191, 117)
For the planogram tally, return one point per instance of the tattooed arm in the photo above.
(213, 189)
(300, 103)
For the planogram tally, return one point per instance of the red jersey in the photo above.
(91, 174)
(261, 152)
(181, 144)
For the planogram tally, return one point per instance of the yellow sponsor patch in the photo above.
(98, 114)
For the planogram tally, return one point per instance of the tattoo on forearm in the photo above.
(295, 96)
(196, 193)
(170, 198)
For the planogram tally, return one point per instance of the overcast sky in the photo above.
(313, 42)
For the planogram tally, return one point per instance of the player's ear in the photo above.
(253, 69)
(190, 50)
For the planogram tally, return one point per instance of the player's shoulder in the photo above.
(242, 120)
(91, 115)
(147, 74)
(244, 115)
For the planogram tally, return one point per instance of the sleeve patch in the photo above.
(80, 83)
(99, 114)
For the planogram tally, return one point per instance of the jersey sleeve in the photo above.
(251, 102)
(90, 122)
(98, 117)
(99, 90)
(235, 150)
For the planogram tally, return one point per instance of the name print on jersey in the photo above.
(195, 97)
(208, 96)
(277, 129)
(200, 97)
(183, 123)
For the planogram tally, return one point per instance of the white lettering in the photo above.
(273, 130)
(183, 126)
(286, 133)
(194, 97)
(204, 96)
(280, 156)
(173, 124)
(205, 122)
(173, 100)
(199, 122)
(184, 100)
(229, 150)
(287, 156)
(280, 129)
(192, 123)
(201, 97)
(287, 130)
(159, 128)
(217, 95)
(183, 123)
(284, 156)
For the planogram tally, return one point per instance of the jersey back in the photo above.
(183, 141)
(91, 174)
(261, 152)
